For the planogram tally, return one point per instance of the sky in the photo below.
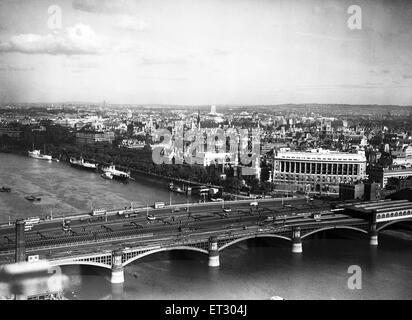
(200, 52)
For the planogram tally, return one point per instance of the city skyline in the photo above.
(190, 150)
(206, 53)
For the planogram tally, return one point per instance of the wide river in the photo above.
(254, 269)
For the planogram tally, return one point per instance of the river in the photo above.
(67, 190)
(254, 269)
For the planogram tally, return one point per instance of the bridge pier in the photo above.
(296, 241)
(20, 253)
(117, 267)
(214, 260)
(373, 234)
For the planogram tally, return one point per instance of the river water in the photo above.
(66, 190)
(254, 269)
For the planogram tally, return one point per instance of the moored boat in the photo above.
(176, 189)
(37, 155)
(81, 163)
(117, 174)
(5, 189)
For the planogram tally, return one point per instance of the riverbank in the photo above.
(66, 158)
(65, 152)
(141, 161)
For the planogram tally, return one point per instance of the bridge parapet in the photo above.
(103, 259)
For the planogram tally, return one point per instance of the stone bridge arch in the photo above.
(253, 237)
(333, 228)
(85, 263)
(383, 225)
(150, 252)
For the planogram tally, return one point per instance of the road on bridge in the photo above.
(88, 235)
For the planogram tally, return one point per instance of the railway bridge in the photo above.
(115, 254)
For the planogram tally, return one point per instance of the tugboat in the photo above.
(33, 198)
(83, 164)
(117, 174)
(37, 155)
(151, 217)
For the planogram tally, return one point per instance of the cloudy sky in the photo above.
(205, 51)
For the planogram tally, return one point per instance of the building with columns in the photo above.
(317, 170)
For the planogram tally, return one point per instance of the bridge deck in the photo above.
(180, 228)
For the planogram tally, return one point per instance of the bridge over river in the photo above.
(122, 236)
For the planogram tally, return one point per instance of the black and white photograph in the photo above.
(206, 150)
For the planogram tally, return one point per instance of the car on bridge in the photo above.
(33, 220)
(98, 212)
(159, 204)
(253, 204)
(151, 217)
(227, 210)
(316, 216)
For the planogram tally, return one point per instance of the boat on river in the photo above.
(116, 174)
(37, 154)
(32, 198)
(82, 164)
(5, 189)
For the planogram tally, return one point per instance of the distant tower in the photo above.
(198, 119)
(213, 109)
(258, 170)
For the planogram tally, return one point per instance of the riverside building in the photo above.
(317, 170)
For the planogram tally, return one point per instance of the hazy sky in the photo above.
(206, 52)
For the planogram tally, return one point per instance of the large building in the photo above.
(11, 133)
(382, 175)
(317, 170)
(91, 137)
